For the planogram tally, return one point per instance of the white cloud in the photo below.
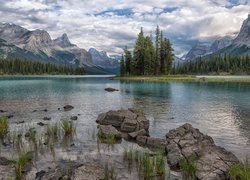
(189, 20)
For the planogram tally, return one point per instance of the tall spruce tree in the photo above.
(169, 56)
(122, 66)
(149, 56)
(157, 51)
(128, 61)
(139, 54)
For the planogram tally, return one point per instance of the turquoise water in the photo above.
(221, 110)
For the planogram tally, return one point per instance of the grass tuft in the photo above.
(110, 139)
(240, 171)
(51, 134)
(150, 165)
(4, 127)
(68, 127)
(22, 161)
(188, 169)
(109, 173)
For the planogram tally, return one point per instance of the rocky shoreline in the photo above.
(184, 143)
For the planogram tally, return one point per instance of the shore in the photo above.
(185, 78)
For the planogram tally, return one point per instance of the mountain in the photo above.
(241, 44)
(196, 51)
(243, 38)
(18, 42)
(204, 50)
(102, 59)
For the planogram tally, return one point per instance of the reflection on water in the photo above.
(221, 110)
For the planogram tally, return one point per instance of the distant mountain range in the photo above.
(18, 42)
(225, 45)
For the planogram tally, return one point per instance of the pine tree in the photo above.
(128, 60)
(157, 51)
(139, 54)
(169, 56)
(122, 67)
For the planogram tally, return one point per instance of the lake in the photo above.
(221, 110)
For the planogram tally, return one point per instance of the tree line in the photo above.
(26, 67)
(148, 57)
(215, 64)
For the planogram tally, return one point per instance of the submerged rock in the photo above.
(110, 89)
(47, 118)
(5, 162)
(20, 122)
(7, 168)
(41, 124)
(68, 108)
(9, 116)
(93, 171)
(188, 143)
(74, 118)
(141, 132)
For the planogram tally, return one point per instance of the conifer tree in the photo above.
(122, 66)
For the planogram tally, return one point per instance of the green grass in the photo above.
(150, 165)
(22, 161)
(182, 78)
(4, 127)
(240, 171)
(110, 140)
(160, 164)
(51, 134)
(18, 141)
(188, 169)
(68, 127)
(109, 173)
(32, 138)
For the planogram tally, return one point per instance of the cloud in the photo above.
(110, 25)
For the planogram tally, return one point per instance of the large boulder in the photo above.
(125, 120)
(188, 143)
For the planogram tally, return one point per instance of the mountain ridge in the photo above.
(38, 45)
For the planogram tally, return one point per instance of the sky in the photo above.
(110, 25)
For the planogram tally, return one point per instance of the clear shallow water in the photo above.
(221, 110)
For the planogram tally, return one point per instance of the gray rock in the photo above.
(74, 118)
(106, 131)
(68, 108)
(156, 142)
(41, 124)
(215, 163)
(188, 143)
(129, 125)
(141, 140)
(141, 132)
(40, 174)
(9, 116)
(93, 171)
(110, 89)
(20, 122)
(47, 118)
(5, 162)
